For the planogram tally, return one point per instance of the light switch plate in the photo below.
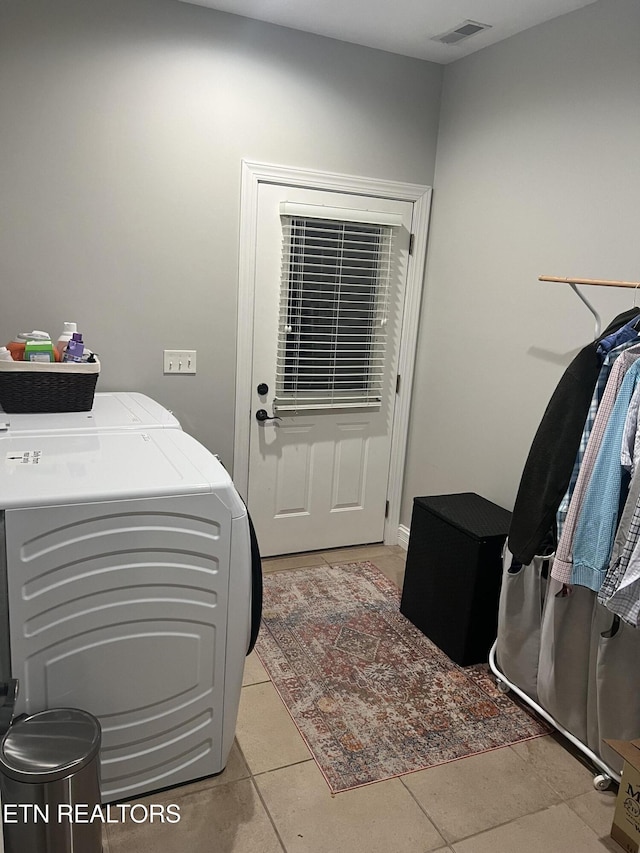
(180, 361)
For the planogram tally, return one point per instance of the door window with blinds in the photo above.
(334, 306)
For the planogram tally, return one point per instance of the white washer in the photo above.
(129, 569)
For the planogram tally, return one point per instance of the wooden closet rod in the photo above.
(573, 282)
(600, 281)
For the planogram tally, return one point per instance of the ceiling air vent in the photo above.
(463, 31)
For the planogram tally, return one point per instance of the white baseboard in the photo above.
(403, 537)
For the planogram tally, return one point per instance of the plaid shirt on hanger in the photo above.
(601, 384)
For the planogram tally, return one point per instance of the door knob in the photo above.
(263, 415)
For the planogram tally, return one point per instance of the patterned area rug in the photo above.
(372, 696)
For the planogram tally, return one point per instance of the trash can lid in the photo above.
(472, 514)
(49, 745)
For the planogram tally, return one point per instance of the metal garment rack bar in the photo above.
(603, 779)
(602, 282)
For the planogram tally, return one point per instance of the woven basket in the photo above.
(28, 387)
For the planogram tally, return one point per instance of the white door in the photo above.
(329, 292)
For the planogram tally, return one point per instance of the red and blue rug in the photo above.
(373, 697)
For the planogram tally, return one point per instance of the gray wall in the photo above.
(538, 172)
(123, 126)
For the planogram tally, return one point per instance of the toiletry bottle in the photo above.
(74, 349)
(67, 331)
(16, 348)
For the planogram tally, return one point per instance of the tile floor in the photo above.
(535, 797)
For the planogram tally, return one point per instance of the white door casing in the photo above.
(359, 453)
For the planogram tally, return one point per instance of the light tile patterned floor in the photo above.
(535, 797)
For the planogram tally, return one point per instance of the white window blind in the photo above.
(334, 307)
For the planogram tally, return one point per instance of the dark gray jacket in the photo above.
(548, 468)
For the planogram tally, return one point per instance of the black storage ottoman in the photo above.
(453, 573)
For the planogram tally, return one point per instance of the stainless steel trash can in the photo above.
(50, 783)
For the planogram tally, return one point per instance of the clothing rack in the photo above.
(602, 282)
(606, 774)
(602, 780)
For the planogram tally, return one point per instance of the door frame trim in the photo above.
(253, 174)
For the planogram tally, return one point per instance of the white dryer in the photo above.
(112, 410)
(129, 569)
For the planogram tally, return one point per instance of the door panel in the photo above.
(350, 467)
(318, 478)
(294, 471)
